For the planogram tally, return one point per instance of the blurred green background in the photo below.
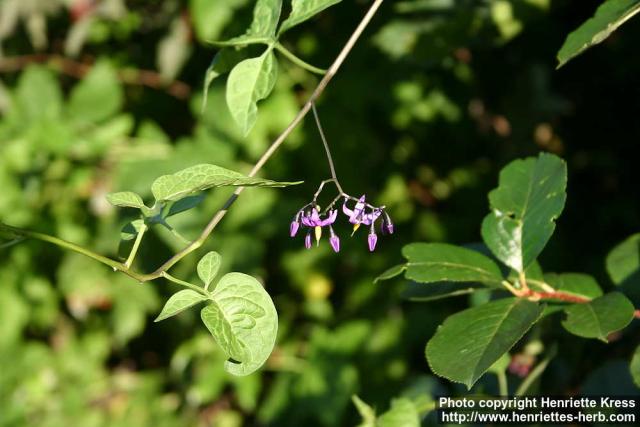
(104, 95)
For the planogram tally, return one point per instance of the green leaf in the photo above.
(419, 293)
(623, 262)
(598, 318)
(201, 177)
(243, 321)
(634, 367)
(530, 196)
(97, 97)
(392, 272)
(578, 284)
(468, 343)
(222, 63)
(438, 262)
(403, 413)
(131, 229)
(266, 15)
(249, 82)
(126, 199)
(301, 10)
(609, 16)
(38, 95)
(208, 268)
(367, 413)
(179, 302)
(185, 204)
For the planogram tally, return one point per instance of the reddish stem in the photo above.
(563, 296)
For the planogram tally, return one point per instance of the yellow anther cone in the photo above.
(318, 231)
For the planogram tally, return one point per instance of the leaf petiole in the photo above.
(136, 246)
(185, 284)
(299, 62)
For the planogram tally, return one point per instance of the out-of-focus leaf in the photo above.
(38, 95)
(179, 302)
(97, 97)
(222, 63)
(440, 262)
(623, 261)
(249, 82)
(208, 268)
(598, 318)
(201, 177)
(301, 10)
(469, 342)
(174, 50)
(367, 413)
(609, 16)
(266, 14)
(131, 229)
(403, 413)
(392, 272)
(530, 196)
(634, 367)
(210, 17)
(243, 321)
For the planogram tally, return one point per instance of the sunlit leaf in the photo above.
(201, 177)
(208, 267)
(577, 284)
(469, 342)
(249, 82)
(301, 10)
(367, 413)
(530, 196)
(222, 63)
(243, 321)
(609, 16)
(403, 413)
(179, 302)
(266, 15)
(598, 318)
(126, 199)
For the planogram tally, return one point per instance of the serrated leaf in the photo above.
(301, 10)
(530, 196)
(126, 199)
(201, 177)
(243, 321)
(403, 413)
(634, 367)
(469, 342)
(249, 82)
(440, 262)
(623, 261)
(598, 318)
(608, 17)
(222, 63)
(208, 267)
(179, 302)
(578, 284)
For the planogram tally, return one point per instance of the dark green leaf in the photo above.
(469, 342)
(577, 284)
(201, 177)
(249, 82)
(301, 10)
(623, 262)
(598, 318)
(185, 204)
(179, 302)
(530, 196)
(440, 262)
(392, 272)
(243, 321)
(609, 16)
(419, 293)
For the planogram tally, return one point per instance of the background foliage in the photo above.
(103, 96)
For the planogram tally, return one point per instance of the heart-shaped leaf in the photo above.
(598, 318)
(179, 302)
(249, 82)
(469, 342)
(201, 177)
(208, 267)
(243, 321)
(301, 10)
(530, 196)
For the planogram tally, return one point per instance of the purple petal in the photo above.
(315, 216)
(293, 228)
(330, 219)
(373, 239)
(389, 227)
(306, 221)
(307, 241)
(346, 210)
(335, 242)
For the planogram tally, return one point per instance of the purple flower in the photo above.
(334, 240)
(307, 240)
(313, 218)
(387, 225)
(293, 228)
(358, 215)
(373, 239)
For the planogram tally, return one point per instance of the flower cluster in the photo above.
(310, 216)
